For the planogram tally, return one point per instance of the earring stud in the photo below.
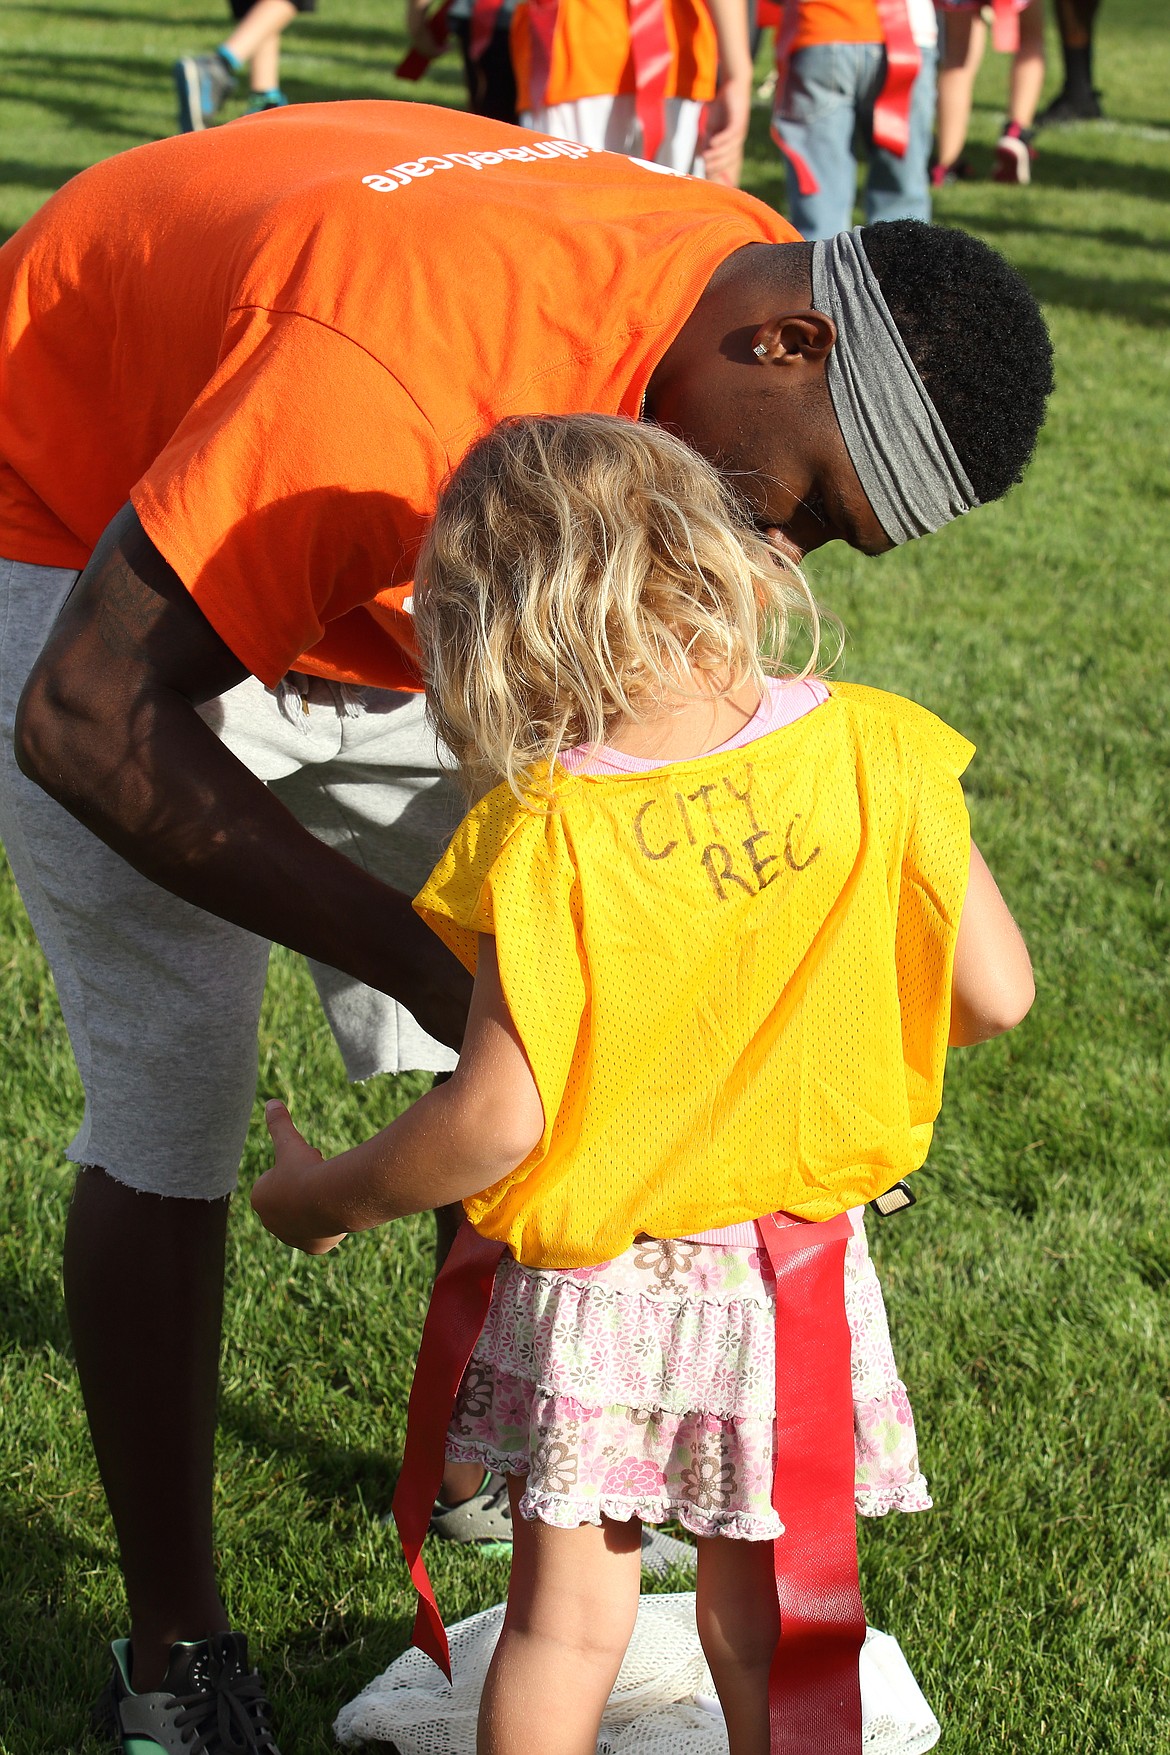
(761, 350)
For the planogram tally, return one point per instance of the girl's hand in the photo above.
(725, 127)
(419, 33)
(286, 1197)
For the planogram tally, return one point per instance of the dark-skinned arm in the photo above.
(107, 726)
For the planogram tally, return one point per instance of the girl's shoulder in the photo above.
(904, 725)
(505, 852)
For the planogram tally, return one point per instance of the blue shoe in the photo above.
(265, 100)
(202, 83)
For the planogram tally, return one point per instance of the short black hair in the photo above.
(973, 328)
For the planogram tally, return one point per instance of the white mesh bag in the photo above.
(663, 1702)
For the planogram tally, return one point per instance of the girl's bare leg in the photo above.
(264, 73)
(739, 1624)
(256, 40)
(572, 1602)
(965, 36)
(1027, 80)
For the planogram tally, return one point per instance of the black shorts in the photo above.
(491, 83)
(241, 8)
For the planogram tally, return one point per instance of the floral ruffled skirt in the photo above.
(646, 1388)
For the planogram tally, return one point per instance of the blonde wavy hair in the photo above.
(581, 569)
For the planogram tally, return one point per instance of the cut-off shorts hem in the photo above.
(88, 1161)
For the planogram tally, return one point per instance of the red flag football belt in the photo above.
(652, 56)
(814, 1694)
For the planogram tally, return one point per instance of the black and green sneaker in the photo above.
(209, 1703)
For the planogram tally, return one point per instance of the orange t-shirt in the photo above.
(277, 336)
(591, 54)
(836, 21)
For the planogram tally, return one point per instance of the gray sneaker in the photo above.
(484, 1520)
(210, 1703)
(203, 83)
(662, 1553)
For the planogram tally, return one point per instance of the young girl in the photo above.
(1017, 28)
(714, 916)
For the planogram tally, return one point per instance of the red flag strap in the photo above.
(891, 112)
(653, 59)
(542, 25)
(814, 1688)
(649, 47)
(414, 63)
(455, 1319)
(485, 16)
(1005, 26)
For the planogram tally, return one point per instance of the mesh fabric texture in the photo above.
(731, 976)
(663, 1702)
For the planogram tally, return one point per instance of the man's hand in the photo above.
(287, 1198)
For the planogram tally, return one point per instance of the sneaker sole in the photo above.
(1068, 116)
(191, 119)
(1013, 162)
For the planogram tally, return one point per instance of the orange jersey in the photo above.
(836, 21)
(591, 54)
(276, 338)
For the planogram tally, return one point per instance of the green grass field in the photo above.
(1030, 1287)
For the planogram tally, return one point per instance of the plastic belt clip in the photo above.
(895, 1200)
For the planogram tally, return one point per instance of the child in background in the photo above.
(964, 40)
(205, 82)
(855, 80)
(666, 80)
(482, 29)
(723, 919)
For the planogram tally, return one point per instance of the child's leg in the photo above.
(739, 1624)
(1027, 80)
(572, 1603)
(965, 35)
(1076, 100)
(256, 39)
(265, 69)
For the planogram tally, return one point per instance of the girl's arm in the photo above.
(455, 1141)
(726, 121)
(993, 986)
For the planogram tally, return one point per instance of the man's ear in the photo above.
(795, 337)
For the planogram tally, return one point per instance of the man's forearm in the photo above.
(108, 727)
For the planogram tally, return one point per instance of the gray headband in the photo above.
(898, 445)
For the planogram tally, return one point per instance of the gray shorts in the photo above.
(161, 1000)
